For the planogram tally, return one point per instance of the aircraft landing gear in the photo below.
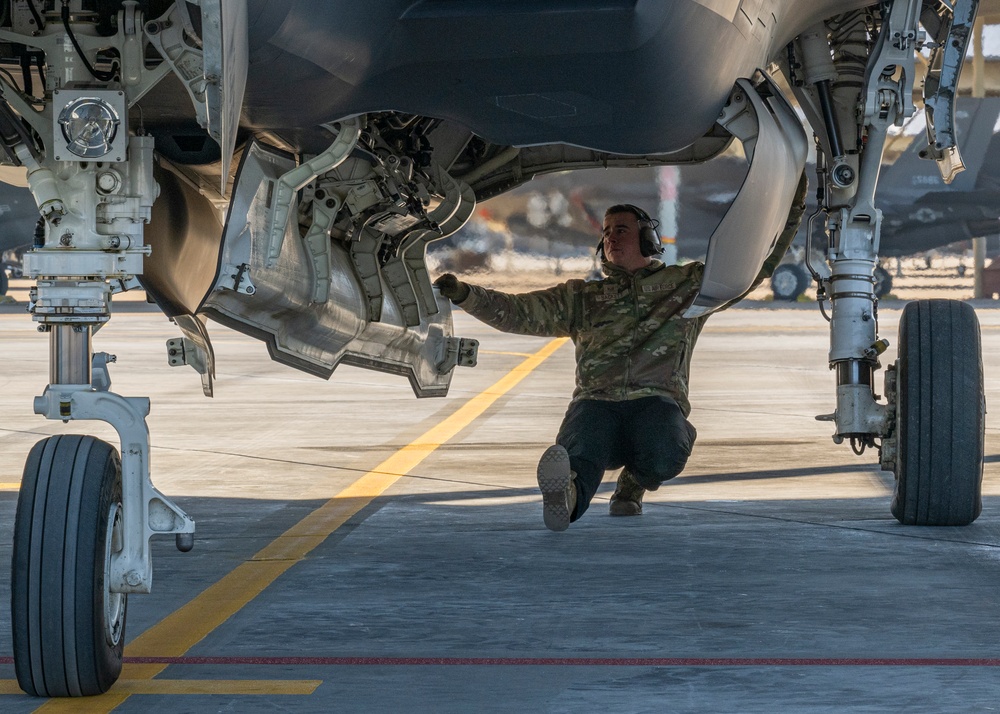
(83, 524)
(931, 431)
(883, 282)
(85, 516)
(789, 281)
(68, 528)
(936, 447)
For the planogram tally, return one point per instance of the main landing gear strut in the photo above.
(930, 430)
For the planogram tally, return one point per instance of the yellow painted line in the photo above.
(101, 704)
(174, 635)
(10, 486)
(219, 686)
(197, 686)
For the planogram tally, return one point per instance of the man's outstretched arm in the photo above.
(547, 313)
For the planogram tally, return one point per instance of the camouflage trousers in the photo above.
(650, 436)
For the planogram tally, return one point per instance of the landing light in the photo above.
(89, 127)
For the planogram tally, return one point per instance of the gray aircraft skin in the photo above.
(281, 167)
(475, 88)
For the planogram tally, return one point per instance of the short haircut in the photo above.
(626, 208)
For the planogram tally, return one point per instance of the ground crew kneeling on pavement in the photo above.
(633, 351)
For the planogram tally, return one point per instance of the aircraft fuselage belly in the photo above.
(624, 76)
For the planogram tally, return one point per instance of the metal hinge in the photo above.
(240, 275)
(121, 286)
(181, 351)
(460, 352)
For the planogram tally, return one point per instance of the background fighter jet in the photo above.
(281, 167)
(18, 219)
(560, 215)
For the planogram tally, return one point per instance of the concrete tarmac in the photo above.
(360, 550)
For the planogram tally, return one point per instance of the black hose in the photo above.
(826, 105)
(820, 299)
(40, 63)
(95, 73)
(39, 22)
(25, 60)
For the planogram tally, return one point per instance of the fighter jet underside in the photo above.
(280, 168)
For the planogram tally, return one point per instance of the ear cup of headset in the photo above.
(649, 239)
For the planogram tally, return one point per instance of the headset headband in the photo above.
(642, 215)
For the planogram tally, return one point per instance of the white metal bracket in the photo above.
(458, 352)
(194, 349)
(167, 35)
(100, 377)
(145, 511)
(123, 285)
(415, 251)
(941, 90)
(182, 351)
(895, 52)
(406, 271)
(284, 191)
(239, 279)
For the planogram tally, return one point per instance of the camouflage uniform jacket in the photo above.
(631, 337)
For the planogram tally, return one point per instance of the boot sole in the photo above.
(554, 476)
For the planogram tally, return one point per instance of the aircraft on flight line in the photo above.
(561, 214)
(18, 219)
(281, 167)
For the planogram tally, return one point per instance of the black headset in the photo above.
(649, 239)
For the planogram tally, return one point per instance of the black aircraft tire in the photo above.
(883, 282)
(941, 419)
(4, 282)
(788, 282)
(68, 630)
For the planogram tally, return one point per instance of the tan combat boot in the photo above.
(627, 499)
(556, 481)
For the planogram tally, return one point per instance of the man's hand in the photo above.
(452, 288)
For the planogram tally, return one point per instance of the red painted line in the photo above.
(581, 661)
(575, 661)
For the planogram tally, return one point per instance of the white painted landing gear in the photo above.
(85, 514)
(930, 430)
